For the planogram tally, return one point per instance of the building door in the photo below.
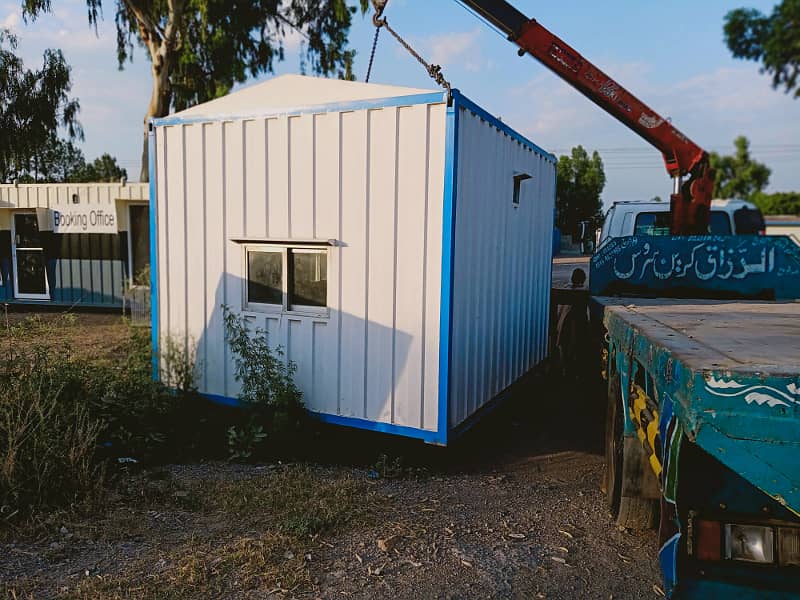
(139, 243)
(30, 275)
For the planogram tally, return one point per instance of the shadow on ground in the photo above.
(542, 414)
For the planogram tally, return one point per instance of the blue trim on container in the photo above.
(427, 98)
(448, 253)
(462, 100)
(431, 437)
(151, 167)
(223, 400)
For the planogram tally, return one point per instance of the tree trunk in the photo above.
(158, 107)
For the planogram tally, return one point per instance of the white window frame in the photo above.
(17, 294)
(284, 307)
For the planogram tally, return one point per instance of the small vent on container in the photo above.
(518, 179)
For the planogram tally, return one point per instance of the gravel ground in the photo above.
(513, 510)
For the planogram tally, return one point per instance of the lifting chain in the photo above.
(434, 71)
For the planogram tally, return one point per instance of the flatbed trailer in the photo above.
(703, 430)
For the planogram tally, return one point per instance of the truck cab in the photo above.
(653, 218)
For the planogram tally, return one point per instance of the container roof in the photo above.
(289, 92)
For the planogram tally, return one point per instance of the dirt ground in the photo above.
(513, 509)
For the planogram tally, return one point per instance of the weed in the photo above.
(57, 409)
(47, 436)
(388, 468)
(298, 500)
(242, 440)
(273, 403)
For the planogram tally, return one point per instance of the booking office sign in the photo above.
(80, 218)
(705, 266)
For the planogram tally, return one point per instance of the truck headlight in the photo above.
(789, 546)
(750, 543)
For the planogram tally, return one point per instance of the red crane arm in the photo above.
(681, 155)
(690, 203)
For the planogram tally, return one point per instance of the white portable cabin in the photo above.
(394, 241)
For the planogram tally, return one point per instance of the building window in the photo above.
(265, 277)
(286, 279)
(308, 278)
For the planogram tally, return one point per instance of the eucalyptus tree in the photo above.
(34, 105)
(198, 49)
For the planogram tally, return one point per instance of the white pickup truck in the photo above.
(652, 218)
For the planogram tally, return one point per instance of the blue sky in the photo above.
(672, 57)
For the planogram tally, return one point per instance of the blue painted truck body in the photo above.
(709, 383)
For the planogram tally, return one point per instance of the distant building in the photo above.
(72, 244)
(784, 225)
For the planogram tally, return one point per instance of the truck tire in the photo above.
(630, 512)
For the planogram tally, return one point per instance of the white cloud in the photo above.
(455, 50)
(10, 21)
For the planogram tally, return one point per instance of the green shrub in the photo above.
(271, 402)
(61, 416)
(47, 436)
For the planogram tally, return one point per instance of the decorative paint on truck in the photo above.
(748, 266)
(721, 439)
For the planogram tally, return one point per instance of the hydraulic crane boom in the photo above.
(691, 198)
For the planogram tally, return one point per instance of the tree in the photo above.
(61, 161)
(739, 176)
(198, 49)
(34, 104)
(773, 40)
(780, 203)
(104, 168)
(580, 181)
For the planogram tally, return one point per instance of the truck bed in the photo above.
(740, 336)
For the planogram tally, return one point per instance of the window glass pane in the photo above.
(652, 223)
(264, 277)
(26, 227)
(719, 223)
(308, 273)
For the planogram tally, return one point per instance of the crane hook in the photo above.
(378, 19)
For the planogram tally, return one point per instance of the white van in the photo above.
(652, 218)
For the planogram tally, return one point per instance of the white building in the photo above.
(72, 244)
(397, 246)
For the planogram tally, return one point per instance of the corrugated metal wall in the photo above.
(46, 195)
(502, 261)
(371, 179)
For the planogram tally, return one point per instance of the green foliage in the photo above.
(202, 48)
(61, 161)
(61, 415)
(244, 439)
(580, 181)
(388, 468)
(102, 169)
(272, 402)
(779, 203)
(47, 436)
(34, 104)
(773, 40)
(738, 175)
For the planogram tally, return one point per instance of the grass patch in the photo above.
(272, 521)
(299, 500)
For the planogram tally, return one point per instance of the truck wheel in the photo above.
(631, 512)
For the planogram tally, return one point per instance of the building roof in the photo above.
(786, 220)
(290, 92)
